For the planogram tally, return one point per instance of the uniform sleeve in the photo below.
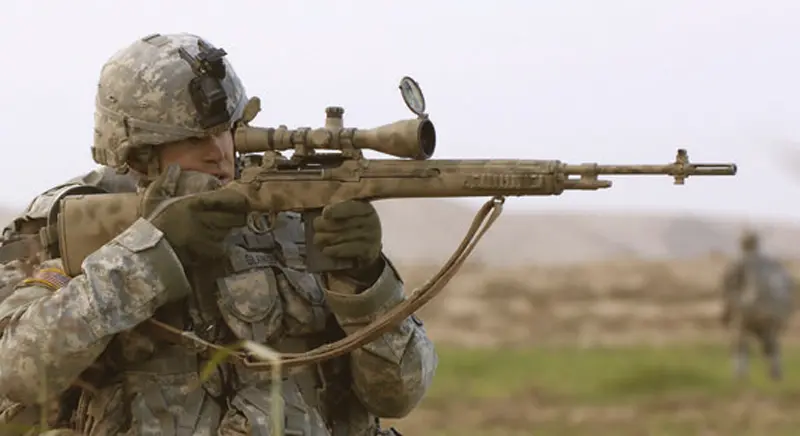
(50, 332)
(11, 273)
(392, 373)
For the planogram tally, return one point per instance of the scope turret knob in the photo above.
(334, 111)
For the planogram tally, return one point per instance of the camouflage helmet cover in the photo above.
(144, 97)
(749, 240)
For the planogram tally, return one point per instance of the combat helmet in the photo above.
(749, 240)
(160, 89)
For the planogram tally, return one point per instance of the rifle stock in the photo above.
(87, 222)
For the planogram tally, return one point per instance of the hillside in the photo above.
(608, 302)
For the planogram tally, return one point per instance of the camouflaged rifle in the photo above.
(310, 179)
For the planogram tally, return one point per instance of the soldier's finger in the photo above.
(324, 239)
(166, 185)
(223, 200)
(347, 209)
(352, 249)
(222, 219)
(160, 189)
(194, 182)
(322, 224)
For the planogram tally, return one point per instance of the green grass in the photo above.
(676, 391)
(600, 375)
(619, 391)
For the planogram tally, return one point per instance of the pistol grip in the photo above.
(316, 261)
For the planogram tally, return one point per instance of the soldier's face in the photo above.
(212, 155)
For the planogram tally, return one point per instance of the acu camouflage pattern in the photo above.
(14, 417)
(143, 98)
(262, 293)
(42, 207)
(41, 212)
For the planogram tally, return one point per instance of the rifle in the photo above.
(311, 179)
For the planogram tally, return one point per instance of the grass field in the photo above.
(619, 347)
(676, 390)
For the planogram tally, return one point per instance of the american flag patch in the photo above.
(52, 278)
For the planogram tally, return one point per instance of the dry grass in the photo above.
(610, 303)
(612, 348)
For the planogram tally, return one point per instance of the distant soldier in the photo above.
(757, 303)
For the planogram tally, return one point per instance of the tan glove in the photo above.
(352, 230)
(195, 225)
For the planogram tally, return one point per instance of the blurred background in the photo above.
(587, 313)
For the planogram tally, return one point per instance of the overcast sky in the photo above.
(582, 81)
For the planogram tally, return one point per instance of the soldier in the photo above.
(19, 255)
(165, 109)
(757, 303)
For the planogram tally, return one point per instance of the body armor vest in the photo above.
(263, 294)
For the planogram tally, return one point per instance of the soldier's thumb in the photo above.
(167, 183)
(160, 189)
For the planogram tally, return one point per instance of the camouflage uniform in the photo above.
(56, 330)
(16, 260)
(757, 302)
(20, 260)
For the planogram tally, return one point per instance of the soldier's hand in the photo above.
(175, 182)
(195, 225)
(351, 230)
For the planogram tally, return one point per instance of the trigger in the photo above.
(260, 223)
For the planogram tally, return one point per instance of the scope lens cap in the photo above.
(412, 95)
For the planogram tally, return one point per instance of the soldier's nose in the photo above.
(214, 150)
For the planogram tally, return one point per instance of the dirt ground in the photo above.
(614, 304)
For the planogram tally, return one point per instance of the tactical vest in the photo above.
(262, 293)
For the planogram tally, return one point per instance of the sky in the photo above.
(616, 81)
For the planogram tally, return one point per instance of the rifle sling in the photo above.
(483, 220)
